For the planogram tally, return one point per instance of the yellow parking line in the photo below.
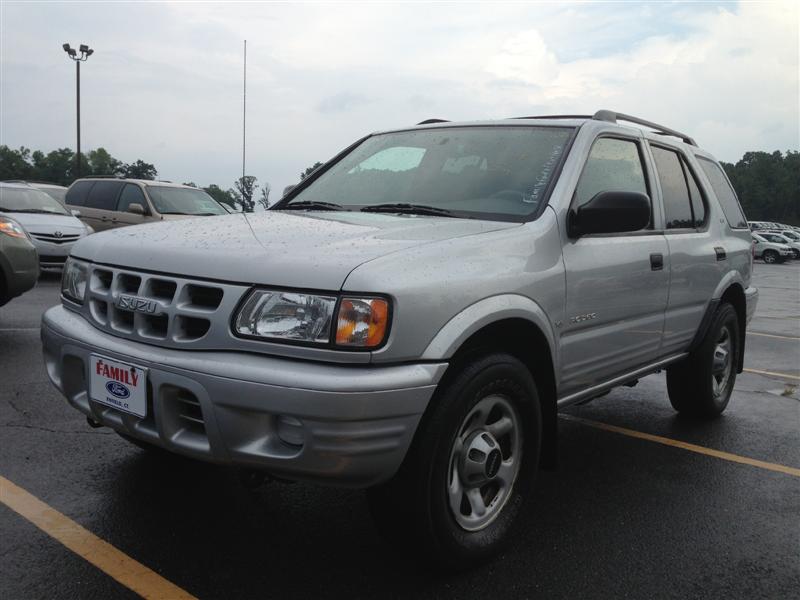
(127, 571)
(772, 373)
(774, 335)
(687, 446)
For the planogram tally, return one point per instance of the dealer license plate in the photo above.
(118, 385)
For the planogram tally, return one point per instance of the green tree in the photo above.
(263, 199)
(139, 170)
(245, 190)
(15, 164)
(57, 166)
(102, 163)
(768, 185)
(310, 170)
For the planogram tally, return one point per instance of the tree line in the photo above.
(768, 183)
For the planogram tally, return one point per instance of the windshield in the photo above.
(55, 192)
(497, 173)
(183, 201)
(29, 200)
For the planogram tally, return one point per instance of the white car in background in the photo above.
(791, 237)
(52, 228)
(771, 247)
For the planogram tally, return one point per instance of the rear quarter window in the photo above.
(77, 193)
(724, 193)
(104, 195)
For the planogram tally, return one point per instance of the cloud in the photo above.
(165, 82)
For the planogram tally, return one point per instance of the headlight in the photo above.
(73, 280)
(300, 317)
(362, 322)
(12, 228)
(289, 316)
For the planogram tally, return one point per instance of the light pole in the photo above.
(85, 53)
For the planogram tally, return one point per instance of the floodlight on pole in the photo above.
(85, 53)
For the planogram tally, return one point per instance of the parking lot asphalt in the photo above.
(622, 516)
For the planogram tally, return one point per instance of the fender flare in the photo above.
(485, 312)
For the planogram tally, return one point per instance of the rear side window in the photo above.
(103, 195)
(724, 193)
(613, 165)
(131, 194)
(683, 201)
(76, 194)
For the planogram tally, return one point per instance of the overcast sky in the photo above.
(165, 82)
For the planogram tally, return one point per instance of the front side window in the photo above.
(724, 193)
(131, 194)
(500, 173)
(170, 200)
(28, 200)
(613, 165)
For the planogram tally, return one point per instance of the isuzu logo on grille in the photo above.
(142, 305)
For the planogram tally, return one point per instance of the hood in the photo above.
(282, 248)
(42, 223)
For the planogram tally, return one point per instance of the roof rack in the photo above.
(613, 117)
(610, 116)
(429, 121)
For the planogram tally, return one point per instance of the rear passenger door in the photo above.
(101, 204)
(696, 259)
(617, 283)
(131, 194)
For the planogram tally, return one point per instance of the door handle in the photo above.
(104, 218)
(720, 252)
(656, 261)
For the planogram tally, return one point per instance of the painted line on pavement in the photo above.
(775, 335)
(686, 446)
(115, 563)
(773, 374)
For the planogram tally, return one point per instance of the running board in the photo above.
(606, 386)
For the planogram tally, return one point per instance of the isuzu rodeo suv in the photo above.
(412, 316)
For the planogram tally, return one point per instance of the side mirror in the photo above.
(75, 213)
(288, 189)
(610, 212)
(136, 208)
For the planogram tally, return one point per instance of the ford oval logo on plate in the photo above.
(117, 389)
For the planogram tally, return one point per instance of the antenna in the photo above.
(244, 111)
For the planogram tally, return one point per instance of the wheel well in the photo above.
(525, 341)
(734, 296)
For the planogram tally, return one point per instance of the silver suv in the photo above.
(413, 315)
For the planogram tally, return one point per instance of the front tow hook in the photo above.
(93, 424)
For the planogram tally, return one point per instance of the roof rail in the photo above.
(429, 121)
(612, 117)
(555, 117)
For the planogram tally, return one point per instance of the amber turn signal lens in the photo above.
(362, 322)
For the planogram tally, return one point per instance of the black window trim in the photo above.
(651, 230)
(682, 158)
(733, 189)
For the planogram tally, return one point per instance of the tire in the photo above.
(422, 510)
(770, 257)
(701, 385)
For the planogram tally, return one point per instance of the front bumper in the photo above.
(52, 256)
(357, 421)
(751, 301)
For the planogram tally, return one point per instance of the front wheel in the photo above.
(770, 257)
(468, 474)
(701, 385)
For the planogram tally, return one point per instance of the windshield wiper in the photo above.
(312, 205)
(411, 209)
(31, 210)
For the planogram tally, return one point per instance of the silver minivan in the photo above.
(106, 203)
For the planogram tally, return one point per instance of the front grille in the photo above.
(65, 238)
(159, 309)
(44, 258)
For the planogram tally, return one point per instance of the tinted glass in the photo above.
(613, 166)
(698, 206)
(486, 172)
(183, 201)
(28, 200)
(131, 194)
(76, 194)
(724, 193)
(674, 190)
(103, 195)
